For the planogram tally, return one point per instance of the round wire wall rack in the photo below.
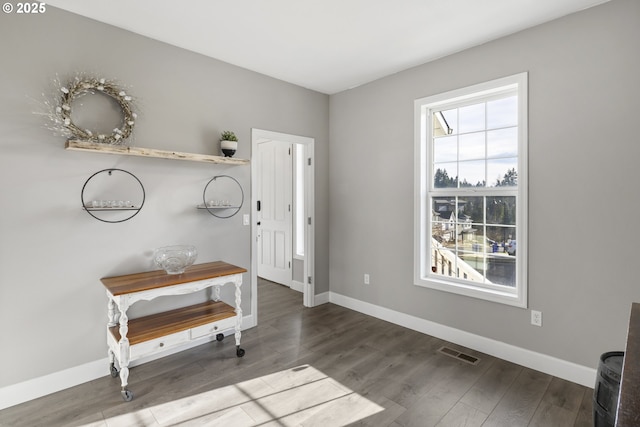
(112, 207)
(222, 208)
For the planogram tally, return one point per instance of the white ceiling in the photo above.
(325, 45)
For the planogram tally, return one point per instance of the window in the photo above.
(470, 191)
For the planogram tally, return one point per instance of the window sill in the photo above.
(492, 295)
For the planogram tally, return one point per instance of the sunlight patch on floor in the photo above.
(301, 396)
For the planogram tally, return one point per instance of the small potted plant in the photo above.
(228, 143)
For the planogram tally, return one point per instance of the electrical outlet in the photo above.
(536, 318)
(366, 279)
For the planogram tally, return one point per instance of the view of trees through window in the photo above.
(442, 179)
(475, 147)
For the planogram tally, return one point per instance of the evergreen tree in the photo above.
(510, 179)
(441, 179)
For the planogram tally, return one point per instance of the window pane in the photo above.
(502, 143)
(501, 262)
(472, 265)
(472, 254)
(444, 204)
(451, 119)
(443, 261)
(472, 146)
(466, 234)
(501, 210)
(502, 112)
(500, 236)
(501, 270)
(473, 208)
(472, 173)
(502, 172)
(444, 122)
(443, 229)
(445, 149)
(471, 118)
(445, 175)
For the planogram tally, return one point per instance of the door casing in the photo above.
(258, 136)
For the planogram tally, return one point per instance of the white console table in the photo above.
(131, 339)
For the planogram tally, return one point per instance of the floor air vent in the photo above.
(460, 356)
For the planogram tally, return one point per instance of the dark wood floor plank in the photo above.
(521, 400)
(492, 386)
(323, 366)
(457, 378)
(564, 394)
(464, 416)
(548, 414)
(585, 412)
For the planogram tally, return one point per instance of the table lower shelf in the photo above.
(194, 318)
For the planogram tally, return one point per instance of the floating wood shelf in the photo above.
(150, 152)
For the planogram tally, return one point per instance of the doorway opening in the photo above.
(282, 211)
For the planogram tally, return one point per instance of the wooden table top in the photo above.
(137, 282)
(629, 402)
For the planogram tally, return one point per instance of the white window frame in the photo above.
(423, 276)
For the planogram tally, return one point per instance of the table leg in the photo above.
(123, 346)
(111, 312)
(111, 322)
(238, 334)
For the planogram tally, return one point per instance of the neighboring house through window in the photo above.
(470, 191)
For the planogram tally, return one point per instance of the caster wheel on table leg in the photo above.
(114, 371)
(219, 337)
(127, 395)
(239, 352)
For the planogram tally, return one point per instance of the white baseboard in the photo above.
(322, 298)
(51, 383)
(37, 387)
(540, 362)
(297, 286)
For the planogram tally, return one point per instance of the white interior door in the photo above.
(274, 215)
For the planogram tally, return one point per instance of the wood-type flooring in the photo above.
(326, 366)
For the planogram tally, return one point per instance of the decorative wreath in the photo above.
(61, 116)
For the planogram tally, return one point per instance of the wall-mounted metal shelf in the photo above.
(151, 152)
(92, 209)
(112, 205)
(202, 206)
(222, 210)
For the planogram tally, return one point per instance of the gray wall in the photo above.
(52, 254)
(584, 100)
